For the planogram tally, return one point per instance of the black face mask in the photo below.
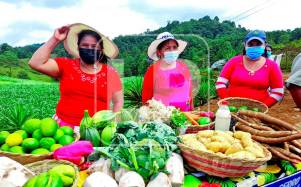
(89, 56)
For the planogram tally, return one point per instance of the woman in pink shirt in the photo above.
(251, 75)
(168, 80)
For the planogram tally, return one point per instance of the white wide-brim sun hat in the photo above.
(152, 49)
(70, 43)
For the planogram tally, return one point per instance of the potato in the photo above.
(241, 134)
(227, 136)
(257, 152)
(246, 141)
(230, 133)
(204, 140)
(217, 138)
(236, 147)
(205, 134)
(224, 146)
(195, 144)
(214, 146)
(243, 155)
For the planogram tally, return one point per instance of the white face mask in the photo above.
(171, 57)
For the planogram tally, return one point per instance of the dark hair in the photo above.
(160, 46)
(104, 59)
(266, 51)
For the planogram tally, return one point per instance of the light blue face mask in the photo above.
(269, 54)
(255, 52)
(171, 57)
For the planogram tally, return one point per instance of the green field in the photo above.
(39, 97)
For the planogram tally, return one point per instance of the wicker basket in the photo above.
(220, 165)
(250, 103)
(45, 165)
(30, 158)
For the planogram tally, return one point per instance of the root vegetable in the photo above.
(193, 116)
(161, 180)
(131, 179)
(175, 168)
(276, 140)
(270, 119)
(254, 125)
(286, 146)
(102, 165)
(190, 118)
(272, 134)
(100, 179)
(296, 143)
(280, 155)
(288, 154)
(275, 127)
(295, 149)
(119, 173)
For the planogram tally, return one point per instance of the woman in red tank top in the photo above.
(87, 81)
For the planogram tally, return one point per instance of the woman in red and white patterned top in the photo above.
(86, 82)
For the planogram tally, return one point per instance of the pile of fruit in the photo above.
(36, 137)
(234, 145)
(59, 176)
(236, 109)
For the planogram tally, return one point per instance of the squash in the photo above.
(88, 132)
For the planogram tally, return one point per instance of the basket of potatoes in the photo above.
(223, 154)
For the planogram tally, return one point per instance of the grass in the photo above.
(39, 97)
(23, 67)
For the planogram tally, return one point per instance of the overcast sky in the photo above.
(33, 21)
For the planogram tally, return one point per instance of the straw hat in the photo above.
(152, 49)
(70, 43)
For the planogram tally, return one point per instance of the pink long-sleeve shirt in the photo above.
(265, 84)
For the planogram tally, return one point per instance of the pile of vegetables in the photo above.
(202, 118)
(99, 129)
(155, 111)
(280, 137)
(234, 145)
(141, 148)
(236, 109)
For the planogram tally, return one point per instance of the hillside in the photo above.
(225, 39)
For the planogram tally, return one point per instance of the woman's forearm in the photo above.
(42, 55)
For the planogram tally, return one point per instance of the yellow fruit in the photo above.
(14, 139)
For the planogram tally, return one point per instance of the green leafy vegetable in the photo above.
(144, 149)
(178, 119)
